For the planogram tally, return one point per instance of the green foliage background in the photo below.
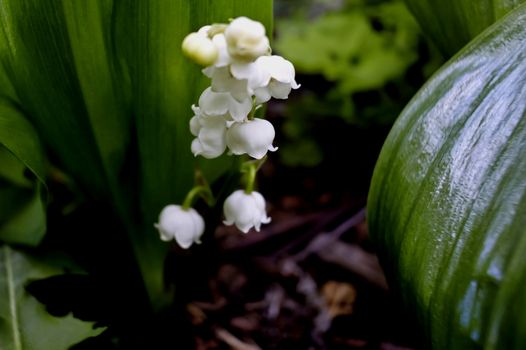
(360, 61)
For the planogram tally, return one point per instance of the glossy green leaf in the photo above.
(447, 206)
(24, 322)
(453, 23)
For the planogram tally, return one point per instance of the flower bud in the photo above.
(253, 137)
(246, 39)
(245, 210)
(186, 226)
(200, 49)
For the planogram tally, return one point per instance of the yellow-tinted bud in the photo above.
(200, 49)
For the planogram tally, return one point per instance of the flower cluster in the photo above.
(244, 75)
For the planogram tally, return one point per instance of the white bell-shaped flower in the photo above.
(281, 75)
(200, 48)
(256, 75)
(245, 210)
(253, 137)
(220, 103)
(211, 136)
(185, 226)
(246, 39)
(224, 81)
(195, 124)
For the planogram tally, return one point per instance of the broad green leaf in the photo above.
(12, 169)
(24, 322)
(22, 211)
(447, 206)
(19, 137)
(22, 208)
(48, 66)
(28, 224)
(453, 23)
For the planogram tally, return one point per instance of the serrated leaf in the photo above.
(24, 322)
(447, 205)
(453, 23)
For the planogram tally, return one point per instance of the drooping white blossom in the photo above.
(214, 103)
(186, 226)
(224, 81)
(210, 132)
(245, 210)
(268, 76)
(246, 39)
(281, 78)
(255, 74)
(252, 137)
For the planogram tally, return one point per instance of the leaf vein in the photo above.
(12, 298)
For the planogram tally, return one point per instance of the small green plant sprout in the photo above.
(244, 75)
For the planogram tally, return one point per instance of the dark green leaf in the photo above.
(50, 66)
(22, 210)
(24, 322)
(19, 137)
(447, 205)
(24, 220)
(453, 23)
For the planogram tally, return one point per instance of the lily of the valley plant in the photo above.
(244, 75)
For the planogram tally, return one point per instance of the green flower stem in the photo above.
(203, 191)
(217, 28)
(251, 177)
(252, 113)
(250, 169)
